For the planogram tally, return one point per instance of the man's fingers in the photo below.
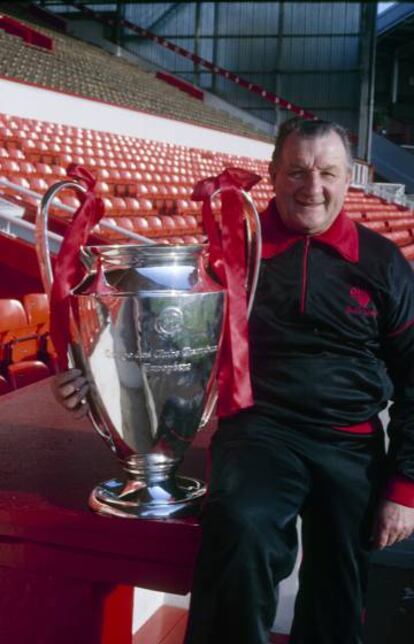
(387, 535)
(67, 376)
(390, 539)
(379, 536)
(82, 409)
(394, 523)
(383, 535)
(73, 387)
(77, 396)
(70, 389)
(63, 383)
(83, 406)
(381, 539)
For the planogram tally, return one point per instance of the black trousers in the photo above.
(262, 477)
(390, 606)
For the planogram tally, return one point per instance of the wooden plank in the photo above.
(160, 625)
(167, 626)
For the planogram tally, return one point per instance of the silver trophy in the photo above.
(148, 346)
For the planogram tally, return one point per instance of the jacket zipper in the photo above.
(304, 275)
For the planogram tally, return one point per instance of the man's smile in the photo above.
(309, 204)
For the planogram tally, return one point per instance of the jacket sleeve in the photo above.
(398, 344)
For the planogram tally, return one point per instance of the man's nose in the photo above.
(313, 183)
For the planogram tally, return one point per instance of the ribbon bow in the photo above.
(68, 268)
(228, 261)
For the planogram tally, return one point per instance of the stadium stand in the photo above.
(85, 70)
(139, 196)
(27, 34)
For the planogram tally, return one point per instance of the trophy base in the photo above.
(175, 497)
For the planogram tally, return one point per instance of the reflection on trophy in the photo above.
(146, 327)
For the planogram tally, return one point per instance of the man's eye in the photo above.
(296, 173)
(328, 174)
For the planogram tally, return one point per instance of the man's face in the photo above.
(310, 182)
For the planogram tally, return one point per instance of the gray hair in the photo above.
(307, 129)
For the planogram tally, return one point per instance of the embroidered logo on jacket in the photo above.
(362, 301)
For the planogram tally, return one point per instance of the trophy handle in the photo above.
(254, 254)
(42, 240)
(45, 264)
(254, 249)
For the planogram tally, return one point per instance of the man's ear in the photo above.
(272, 171)
(349, 178)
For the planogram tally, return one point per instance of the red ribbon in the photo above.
(68, 268)
(228, 261)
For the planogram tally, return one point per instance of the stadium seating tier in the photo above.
(76, 67)
(147, 185)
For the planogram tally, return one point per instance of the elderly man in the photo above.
(331, 336)
(332, 340)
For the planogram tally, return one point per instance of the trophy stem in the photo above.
(151, 490)
(150, 469)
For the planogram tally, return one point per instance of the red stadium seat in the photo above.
(15, 153)
(118, 205)
(5, 386)
(168, 224)
(36, 306)
(107, 205)
(401, 222)
(142, 190)
(12, 315)
(27, 168)
(58, 172)
(191, 239)
(107, 232)
(145, 205)
(180, 223)
(379, 226)
(399, 236)
(38, 185)
(8, 137)
(43, 169)
(125, 175)
(141, 225)
(9, 167)
(408, 251)
(18, 340)
(102, 174)
(102, 188)
(155, 225)
(20, 181)
(132, 205)
(190, 223)
(70, 200)
(125, 222)
(26, 373)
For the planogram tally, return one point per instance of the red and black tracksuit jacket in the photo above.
(332, 337)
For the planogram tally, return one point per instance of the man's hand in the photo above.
(394, 523)
(70, 388)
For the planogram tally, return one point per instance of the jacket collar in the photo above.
(342, 236)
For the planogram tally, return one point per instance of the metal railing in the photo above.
(17, 227)
(391, 192)
(361, 173)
